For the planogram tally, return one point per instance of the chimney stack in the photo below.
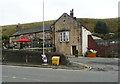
(71, 13)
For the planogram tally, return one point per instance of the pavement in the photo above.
(71, 66)
(80, 63)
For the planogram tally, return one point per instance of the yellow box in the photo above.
(55, 60)
(91, 55)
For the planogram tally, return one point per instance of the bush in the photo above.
(76, 53)
(33, 57)
(101, 28)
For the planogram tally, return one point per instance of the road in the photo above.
(98, 64)
(32, 74)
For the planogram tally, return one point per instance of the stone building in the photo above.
(70, 35)
(35, 35)
(66, 34)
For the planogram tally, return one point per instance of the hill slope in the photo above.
(89, 23)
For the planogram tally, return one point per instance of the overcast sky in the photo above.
(27, 11)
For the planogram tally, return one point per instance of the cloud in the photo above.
(22, 11)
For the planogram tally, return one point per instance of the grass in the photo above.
(10, 29)
(90, 23)
(112, 24)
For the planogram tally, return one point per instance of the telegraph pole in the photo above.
(44, 58)
(43, 30)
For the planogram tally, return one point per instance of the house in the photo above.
(66, 34)
(35, 35)
(70, 35)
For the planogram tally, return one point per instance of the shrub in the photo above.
(76, 53)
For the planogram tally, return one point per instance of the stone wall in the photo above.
(32, 57)
(70, 24)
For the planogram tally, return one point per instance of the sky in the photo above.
(27, 11)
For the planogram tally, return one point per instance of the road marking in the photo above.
(24, 78)
(31, 79)
(36, 80)
(14, 77)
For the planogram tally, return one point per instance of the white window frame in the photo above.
(67, 36)
(60, 37)
(64, 36)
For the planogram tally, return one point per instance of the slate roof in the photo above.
(32, 30)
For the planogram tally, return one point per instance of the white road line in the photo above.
(14, 77)
(24, 78)
(31, 79)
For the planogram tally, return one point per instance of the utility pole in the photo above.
(43, 30)
(44, 58)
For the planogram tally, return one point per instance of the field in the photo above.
(112, 24)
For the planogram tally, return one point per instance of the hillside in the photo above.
(89, 23)
(10, 29)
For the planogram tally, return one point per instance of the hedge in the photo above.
(33, 57)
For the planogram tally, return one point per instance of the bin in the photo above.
(91, 55)
(55, 60)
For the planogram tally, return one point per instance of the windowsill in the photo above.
(64, 42)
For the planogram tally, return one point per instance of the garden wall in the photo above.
(32, 57)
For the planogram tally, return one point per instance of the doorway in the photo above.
(73, 50)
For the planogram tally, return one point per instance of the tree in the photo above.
(118, 31)
(5, 38)
(101, 28)
(117, 34)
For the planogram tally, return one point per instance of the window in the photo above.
(47, 35)
(64, 36)
(60, 36)
(67, 36)
(64, 22)
(64, 15)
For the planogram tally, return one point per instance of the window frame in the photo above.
(64, 36)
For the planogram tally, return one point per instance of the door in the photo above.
(73, 50)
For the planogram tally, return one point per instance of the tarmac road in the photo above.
(98, 64)
(104, 70)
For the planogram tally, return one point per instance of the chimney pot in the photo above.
(71, 13)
